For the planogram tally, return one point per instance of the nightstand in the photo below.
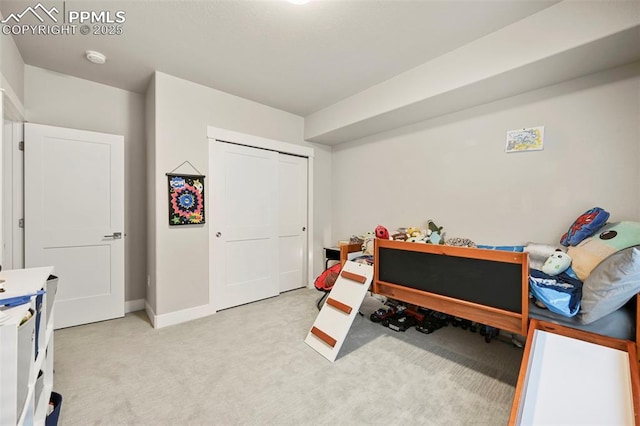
(331, 253)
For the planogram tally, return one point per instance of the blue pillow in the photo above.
(585, 226)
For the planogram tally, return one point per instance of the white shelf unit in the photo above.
(26, 367)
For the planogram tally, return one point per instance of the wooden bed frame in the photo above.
(462, 291)
(505, 319)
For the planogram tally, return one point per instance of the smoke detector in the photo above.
(95, 57)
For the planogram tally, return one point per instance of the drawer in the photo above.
(26, 334)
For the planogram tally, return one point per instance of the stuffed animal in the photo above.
(415, 235)
(367, 245)
(382, 232)
(557, 263)
(419, 237)
(399, 236)
(436, 235)
(410, 232)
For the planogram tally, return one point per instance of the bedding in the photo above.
(539, 253)
(559, 293)
(611, 285)
(619, 323)
(611, 239)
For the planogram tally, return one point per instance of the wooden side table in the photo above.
(331, 253)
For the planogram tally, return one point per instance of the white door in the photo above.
(292, 212)
(245, 224)
(74, 219)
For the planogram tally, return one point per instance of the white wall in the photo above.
(61, 100)
(11, 108)
(322, 206)
(12, 70)
(454, 169)
(183, 110)
(150, 126)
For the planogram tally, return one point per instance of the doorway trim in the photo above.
(223, 135)
(12, 236)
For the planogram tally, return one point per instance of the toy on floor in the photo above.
(433, 320)
(383, 313)
(455, 321)
(398, 312)
(489, 332)
(401, 322)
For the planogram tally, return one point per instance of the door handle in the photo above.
(115, 235)
(304, 228)
(218, 234)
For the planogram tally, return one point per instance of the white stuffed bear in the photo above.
(557, 263)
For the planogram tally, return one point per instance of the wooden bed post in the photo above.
(345, 249)
(638, 327)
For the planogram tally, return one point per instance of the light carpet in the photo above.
(249, 365)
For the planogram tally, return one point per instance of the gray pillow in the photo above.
(610, 285)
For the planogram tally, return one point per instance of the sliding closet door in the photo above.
(292, 212)
(245, 224)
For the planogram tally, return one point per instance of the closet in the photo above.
(258, 223)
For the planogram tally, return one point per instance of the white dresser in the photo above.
(26, 350)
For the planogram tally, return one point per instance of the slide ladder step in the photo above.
(355, 277)
(323, 336)
(339, 305)
(334, 320)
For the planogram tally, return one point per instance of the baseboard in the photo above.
(133, 305)
(150, 314)
(178, 317)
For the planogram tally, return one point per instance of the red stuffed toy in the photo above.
(382, 232)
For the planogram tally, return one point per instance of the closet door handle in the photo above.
(115, 235)
(218, 234)
(304, 228)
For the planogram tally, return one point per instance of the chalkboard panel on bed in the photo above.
(486, 286)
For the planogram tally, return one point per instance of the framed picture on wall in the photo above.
(186, 199)
(528, 139)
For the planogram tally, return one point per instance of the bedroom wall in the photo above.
(454, 169)
(183, 110)
(12, 70)
(61, 100)
(150, 130)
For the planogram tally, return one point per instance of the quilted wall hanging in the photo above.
(186, 199)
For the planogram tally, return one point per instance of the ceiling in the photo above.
(298, 58)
